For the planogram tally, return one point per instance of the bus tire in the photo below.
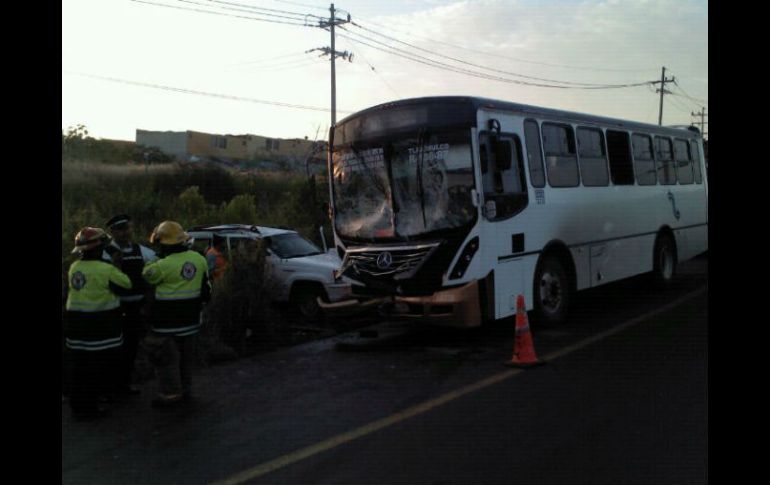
(664, 260)
(552, 292)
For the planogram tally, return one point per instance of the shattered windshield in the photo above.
(292, 245)
(404, 186)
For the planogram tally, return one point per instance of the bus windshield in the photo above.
(403, 186)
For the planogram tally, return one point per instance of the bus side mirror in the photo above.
(490, 209)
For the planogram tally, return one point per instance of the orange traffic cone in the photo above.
(523, 349)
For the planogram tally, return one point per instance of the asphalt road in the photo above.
(627, 408)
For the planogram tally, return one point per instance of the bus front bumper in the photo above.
(454, 307)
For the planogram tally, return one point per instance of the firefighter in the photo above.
(181, 284)
(92, 329)
(131, 259)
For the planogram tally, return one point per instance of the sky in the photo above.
(113, 49)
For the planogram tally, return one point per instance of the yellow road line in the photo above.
(369, 428)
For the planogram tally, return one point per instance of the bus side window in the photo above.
(593, 157)
(503, 178)
(696, 162)
(683, 161)
(644, 161)
(619, 151)
(665, 157)
(560, 155)
(534, 153)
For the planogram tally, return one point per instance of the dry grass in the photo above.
(78, 173)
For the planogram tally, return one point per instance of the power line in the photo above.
(278, 63)
(301, 4)
(440, 65)
(483, 67)
(684, 99)
(287, 55)
(678, 104)
(222, 14)
(297, 17)
(379, 75)
(252, 7)
(684, 93)
(502, 56)
(200, 93)
(287, 67)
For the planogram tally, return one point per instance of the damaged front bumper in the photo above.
(455, 307)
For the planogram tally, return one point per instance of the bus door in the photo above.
(505, 195)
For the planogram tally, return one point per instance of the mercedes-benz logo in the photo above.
(384, 260)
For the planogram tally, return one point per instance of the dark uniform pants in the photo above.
(173, 358)
(92, 376)
(134, 328)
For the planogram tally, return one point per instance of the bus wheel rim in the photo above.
(550, 292)
(666, 262)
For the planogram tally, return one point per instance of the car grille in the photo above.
(404, 260)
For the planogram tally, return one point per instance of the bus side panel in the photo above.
(582, 260)
(691, 242)
(622, 258)
(691, 203)
(509, 283)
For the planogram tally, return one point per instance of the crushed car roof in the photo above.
(260, 231)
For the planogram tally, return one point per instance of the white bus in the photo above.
(450, 207)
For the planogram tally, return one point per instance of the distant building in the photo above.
(232, 148)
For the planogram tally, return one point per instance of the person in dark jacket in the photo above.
(92, 329)
(182, 285)
(130, 258)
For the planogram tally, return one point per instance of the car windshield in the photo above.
(292, 245)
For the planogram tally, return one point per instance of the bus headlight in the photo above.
(465, 259)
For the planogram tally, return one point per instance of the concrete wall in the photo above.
(238, 147)
(227, 146)
(169, 142)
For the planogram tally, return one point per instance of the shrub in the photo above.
(240, 302)
(190, 208)
(240, 210)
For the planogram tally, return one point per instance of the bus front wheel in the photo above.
(551, 292)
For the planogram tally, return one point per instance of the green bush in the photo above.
(240, 210)
(240, 304)
(190, 208)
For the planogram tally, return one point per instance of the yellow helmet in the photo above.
(169, 233)
(90, 238)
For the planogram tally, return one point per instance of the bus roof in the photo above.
(468, 105)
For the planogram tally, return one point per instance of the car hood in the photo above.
(318, 261)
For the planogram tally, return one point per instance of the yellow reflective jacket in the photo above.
(181, 280)
(89, 286)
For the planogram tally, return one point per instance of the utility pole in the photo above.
(662, 91)
(333, 54)
(703, 121)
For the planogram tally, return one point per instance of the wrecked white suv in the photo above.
(303, 272)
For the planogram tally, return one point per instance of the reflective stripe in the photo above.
(95, 345)
(132, 298)
(177, 295)
(85, 306)
(181, 331)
